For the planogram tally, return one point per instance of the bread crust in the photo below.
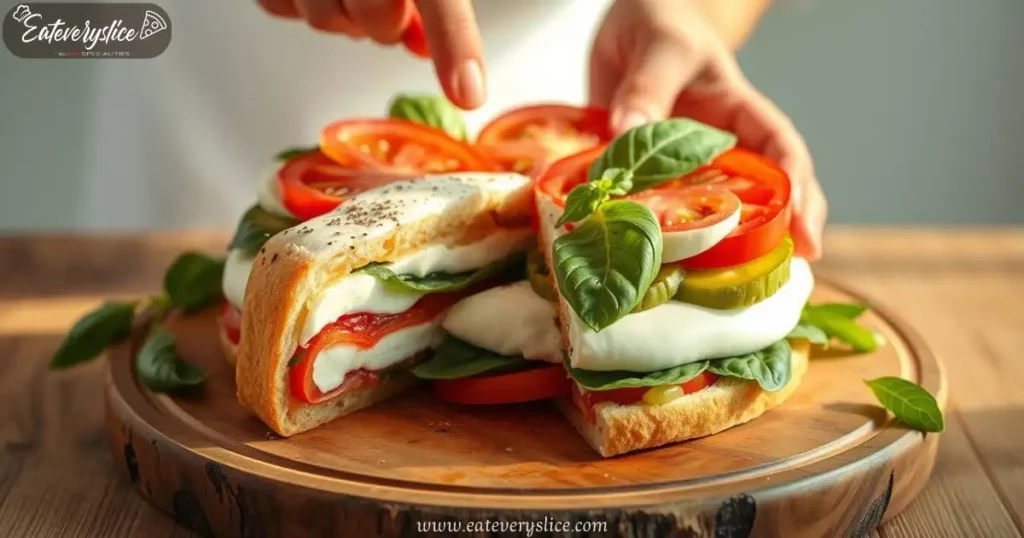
(294, 265)
(618, 429)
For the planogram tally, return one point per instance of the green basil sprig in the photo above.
(291, 153)
(194, 281)
(161, 369)
(909, 402)
(109, 324)
(585, 198)
(606, 264)
(661, 151)
(621, 379)
(257, 226)
(456, 359)
(770, 367)
(839, 321)
(432, 110)
(810, 333)
(443, 282)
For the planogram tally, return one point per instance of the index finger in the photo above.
(456, 48)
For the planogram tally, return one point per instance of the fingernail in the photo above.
(468, 83)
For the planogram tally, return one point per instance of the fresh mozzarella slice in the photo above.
(335, 362)
(509, 320)
(677, 333)
(688, 243)
(269, 193)
(236, 275)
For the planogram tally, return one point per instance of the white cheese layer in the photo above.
(269, 193)
(510, 320)
(678, 333)
(236, 275)
(335, 362)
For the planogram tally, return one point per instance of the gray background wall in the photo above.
(912, 108)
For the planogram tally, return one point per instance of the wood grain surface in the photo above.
(962, 289)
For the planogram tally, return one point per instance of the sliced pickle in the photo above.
(539, 276)
(663, 394)
(664, 287)
(739, 286)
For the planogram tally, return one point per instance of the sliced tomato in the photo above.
(528, 139)
(231, 322)
(400, 147)
(312, 184)
(541, 383)
(587, 399)
(761, 186)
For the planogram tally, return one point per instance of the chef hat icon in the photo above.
(21, 12)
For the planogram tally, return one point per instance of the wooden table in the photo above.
(962, 289)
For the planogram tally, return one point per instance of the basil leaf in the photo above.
(161, 369)
(810, 333)
(606, 264)
(194, 281)
(89, 336)
(661, 151)
(432, 110)
(291, 153)
(456, 359)
(847, 310)
(770, 367)
(620, 379)
(911, 404)
(841, 328)
(440, 281)
(585, 198)
(257, 226)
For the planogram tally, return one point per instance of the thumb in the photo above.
(652, 84)
(455, 45)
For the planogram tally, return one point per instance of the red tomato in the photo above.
(528, 139)
(414, 38)
(400, 147)
(542, 383)
(311, 184)
(761, 186)
(231, 322)
(689, 208)
(587, 399)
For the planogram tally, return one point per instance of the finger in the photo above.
(280, 8)
(382, 20)
(328, 16)
(656, 75)
(414, 38)
(808, 224)
(457, 49)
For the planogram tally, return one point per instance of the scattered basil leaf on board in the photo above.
(456, 359)
(810, 333)
(432, 110)
(440, 281)
(621, 379)
(847, 310)
(841, 328)
(161, 369)
(770, 367)
(909, 402)
(291, 153)
(257, 226)
(585, 198)
(108, 324)
(194, 281)
(661, 151)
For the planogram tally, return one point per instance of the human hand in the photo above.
(653, 59)
(444, 30)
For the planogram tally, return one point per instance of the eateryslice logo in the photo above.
(37, 29)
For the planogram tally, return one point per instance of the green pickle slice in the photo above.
(539, 276)
(739, 286)
(664, 287)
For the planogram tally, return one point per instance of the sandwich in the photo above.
(676, 285)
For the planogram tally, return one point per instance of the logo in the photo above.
(86, 30)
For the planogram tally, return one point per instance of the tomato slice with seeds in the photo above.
(312, 184)
(540, 383)
(587, 399)
(528, 139)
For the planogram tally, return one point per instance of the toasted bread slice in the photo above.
(380, 225)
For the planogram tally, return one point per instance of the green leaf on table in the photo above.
(621, 379)
(661, 151)
(90, 335)
(161, 369)
(909, 402)
(810, 333)
(456, 359)
(257, 226)
(847, 310)
(429, 109)
(443, 282)
(194, 281)
(291, 153)
(606, 264)
(770, 367)
(837, 324)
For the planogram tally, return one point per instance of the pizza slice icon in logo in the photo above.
(152, 24)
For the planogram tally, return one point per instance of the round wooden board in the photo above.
(828, 462)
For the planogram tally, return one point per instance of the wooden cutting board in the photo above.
(829, 462)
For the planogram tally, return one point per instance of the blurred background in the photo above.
(912, 108)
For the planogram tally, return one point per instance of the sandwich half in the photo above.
(338, 309)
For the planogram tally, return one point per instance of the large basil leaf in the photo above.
(842, 328)
(606, 264)
(257, 226)
(911, 404)
(108, 324)
(432, 110)
(661, 151)
(161, 369)
(456, 359)
(621, 379)
(770, 367)
(443, 282)
(194, 281)
(810, 333)
(291, 153)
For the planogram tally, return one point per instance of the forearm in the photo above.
(734, 20)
